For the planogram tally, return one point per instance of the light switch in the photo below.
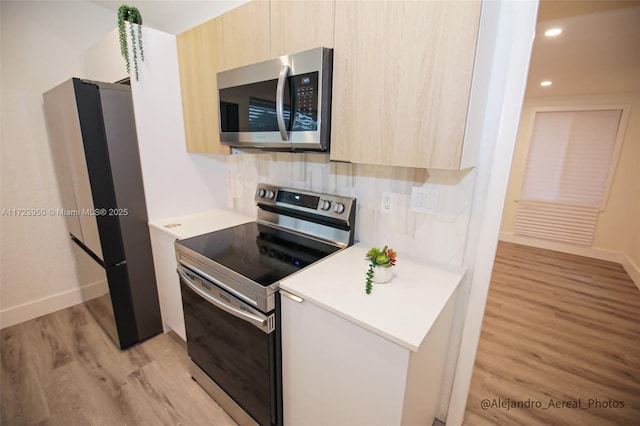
(424, 200)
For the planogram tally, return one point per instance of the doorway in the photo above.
(571, 86)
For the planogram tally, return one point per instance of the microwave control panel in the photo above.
(305, 92)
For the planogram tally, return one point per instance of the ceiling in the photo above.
(173, 16)
(597, 53)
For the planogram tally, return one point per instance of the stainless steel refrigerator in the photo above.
(93, 141)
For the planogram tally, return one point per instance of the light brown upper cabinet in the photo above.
(298, 25)
(199, 59)
(401, 81)
(238, 37)
(246, 34)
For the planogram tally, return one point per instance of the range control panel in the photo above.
(305, 201)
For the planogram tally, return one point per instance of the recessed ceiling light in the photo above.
(553, 32)
(545, 83)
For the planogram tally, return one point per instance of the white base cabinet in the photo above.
(164, 262)
(338, 373)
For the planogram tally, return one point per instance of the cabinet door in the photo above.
(199, 59)
(337, 373)
(401, 82)
(246, 34)
(300, 25)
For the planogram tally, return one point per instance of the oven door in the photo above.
(236, 346)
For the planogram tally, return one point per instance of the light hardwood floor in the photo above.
(62, 369)
(557, 328)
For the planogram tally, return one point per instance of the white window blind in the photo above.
(567, 173)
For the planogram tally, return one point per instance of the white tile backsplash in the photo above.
(438, 237)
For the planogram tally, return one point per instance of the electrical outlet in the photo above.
(386, 203)
(424, 200)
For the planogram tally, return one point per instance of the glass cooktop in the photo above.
(260, 253)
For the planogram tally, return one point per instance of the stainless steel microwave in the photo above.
(281, 104)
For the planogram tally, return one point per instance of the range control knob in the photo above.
(325, 204)
(270, 195)
(339, 208)
(261, 193)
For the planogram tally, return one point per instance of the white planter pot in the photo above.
(381, 275)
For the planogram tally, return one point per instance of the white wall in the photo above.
(42, 45)
(513, 32)
(103, 61)
(176, 182)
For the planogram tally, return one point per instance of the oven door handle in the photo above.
(260, 321)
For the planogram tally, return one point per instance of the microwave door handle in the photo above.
(282, 80)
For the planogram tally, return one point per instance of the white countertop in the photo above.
(401, 311)
(200, 223)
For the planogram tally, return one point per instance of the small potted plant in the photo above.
(132, 15)
(380, 262)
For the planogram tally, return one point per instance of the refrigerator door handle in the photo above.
(88, 251)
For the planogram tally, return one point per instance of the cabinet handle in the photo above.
(282, 79)
(291, 296)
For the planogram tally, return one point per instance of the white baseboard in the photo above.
(632, 269)
(46, 305)
(594, 253)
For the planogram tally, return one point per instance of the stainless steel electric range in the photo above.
(230, 280)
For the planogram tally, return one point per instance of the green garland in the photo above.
(132, 15)
(369, 286)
